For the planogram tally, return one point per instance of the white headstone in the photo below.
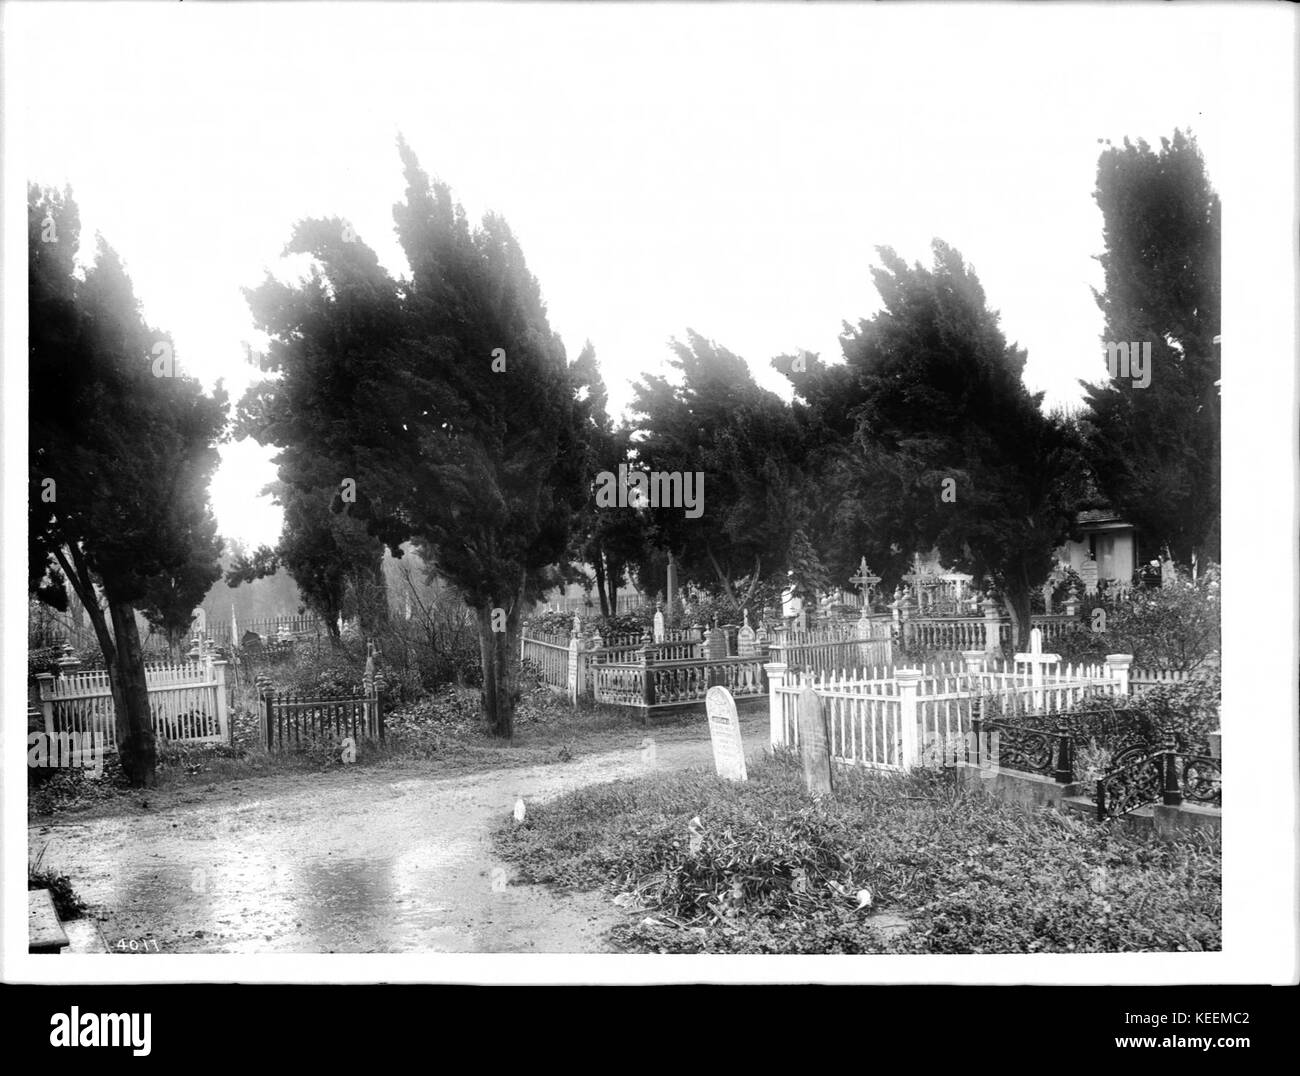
(724, 731)
(659, 626)
(200, 621)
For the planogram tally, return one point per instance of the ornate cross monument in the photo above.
(866, 581)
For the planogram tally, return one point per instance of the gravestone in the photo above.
(200, 621)
(813, 751)
(1088, 573)
(659, 626)
(724, 731)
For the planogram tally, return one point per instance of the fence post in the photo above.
(992, 642)
(1119, 670)
(1064, 755)
(647, 657)
(909, 682)
(45, 691)
(575, 667)
(223, 703)
(266, 705)
(775, 671)
(1172, 795)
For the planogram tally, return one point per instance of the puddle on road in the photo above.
(383, 868)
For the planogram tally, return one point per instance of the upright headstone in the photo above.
(724, 731)
(813, 751)
(200, 621)
(659, 625)
(1088, 573)
(746, 641)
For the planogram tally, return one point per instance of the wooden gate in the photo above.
(291, 720)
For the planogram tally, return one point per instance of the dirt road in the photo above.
(347, 861)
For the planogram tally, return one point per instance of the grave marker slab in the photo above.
(724, 731)
(813, 751)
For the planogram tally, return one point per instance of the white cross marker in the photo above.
(1037, 660)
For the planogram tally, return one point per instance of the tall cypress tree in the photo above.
(443, 404)
(1155, 448)
(121, 452)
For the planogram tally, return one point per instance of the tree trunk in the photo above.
(499, 653)
(136, 747)
(136, 743)
(599, 566)
(1015, 596)
(373, 601)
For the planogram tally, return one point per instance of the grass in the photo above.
(67, 905)
(777, 872)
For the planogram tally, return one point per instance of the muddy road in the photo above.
(371, 860)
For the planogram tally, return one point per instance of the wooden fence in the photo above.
(549, 655)
(892, 718)
(845, 646)
(188, 703)
(267, 627)
(291, 719)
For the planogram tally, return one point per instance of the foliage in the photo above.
(968, 873)
(1155, 448)
(949, 448)
(1176, 626)
(335, 563)
(67, 905)
(126, 523)
(713, 418)
(446, 399)
(610, 539)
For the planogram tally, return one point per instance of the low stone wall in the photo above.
(1032, 790)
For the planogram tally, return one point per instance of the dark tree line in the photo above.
(440, 410)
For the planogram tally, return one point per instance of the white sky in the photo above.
(729, 168)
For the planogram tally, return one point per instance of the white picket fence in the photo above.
(188, 703)
(549, 655)
(887, 718)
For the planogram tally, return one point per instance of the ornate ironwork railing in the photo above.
(1168, 776)
(1199, 778)
(1020, 746)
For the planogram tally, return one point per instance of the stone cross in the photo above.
(812, 744)
(724, 731)
(1037, 662)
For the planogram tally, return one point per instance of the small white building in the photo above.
(1106, 542)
